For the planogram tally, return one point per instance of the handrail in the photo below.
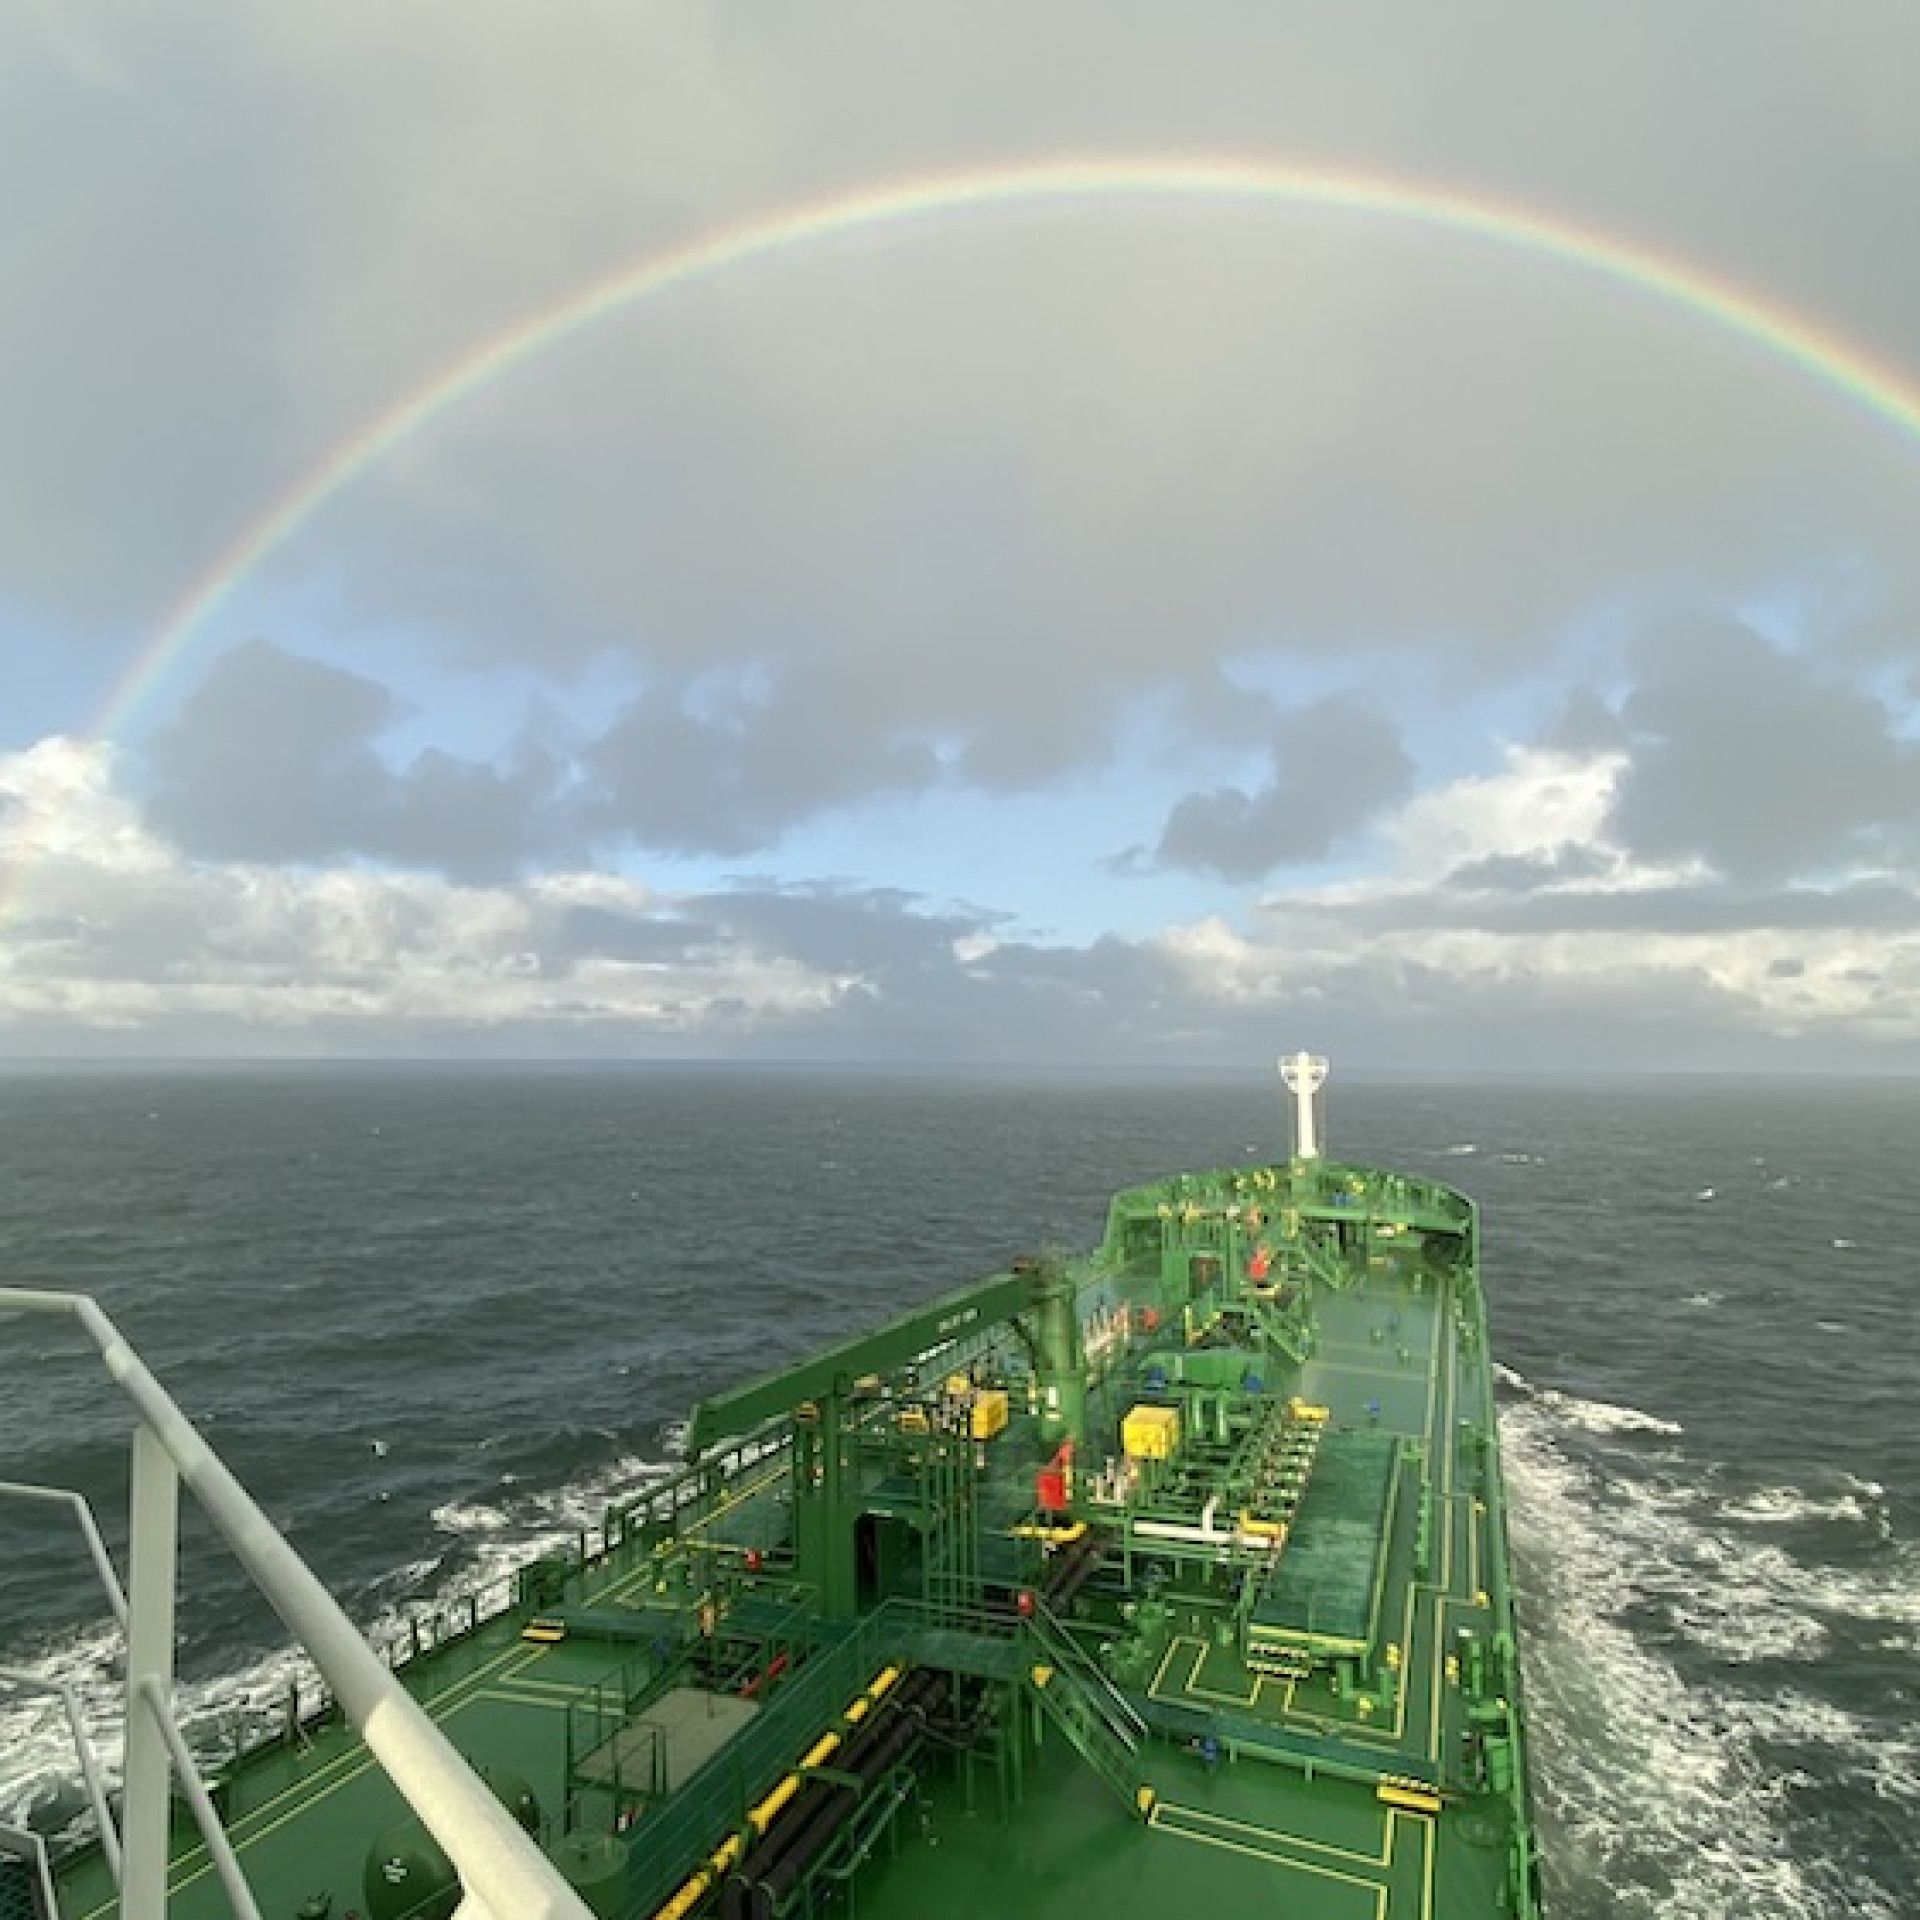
(89, 1531)
(1054, 1634)
(206, 1817)
(505, 1874)
(83, 1749)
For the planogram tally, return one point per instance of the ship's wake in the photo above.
(1671, 1644)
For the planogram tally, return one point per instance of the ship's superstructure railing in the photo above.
(504, 1874)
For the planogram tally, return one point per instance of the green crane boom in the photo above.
(831, 1373)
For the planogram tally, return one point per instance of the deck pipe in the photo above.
(695, 1888)
(1072, 1570)
(765, 1896)
(822, 1808)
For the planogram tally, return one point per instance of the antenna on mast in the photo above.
(1305, 1074)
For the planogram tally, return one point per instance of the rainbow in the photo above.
(1844, 368)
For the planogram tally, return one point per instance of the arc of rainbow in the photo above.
(1828, 358)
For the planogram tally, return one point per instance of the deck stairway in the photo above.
(1280, 1329)
(1086, 1706)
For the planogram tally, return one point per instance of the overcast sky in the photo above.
(1139, 631)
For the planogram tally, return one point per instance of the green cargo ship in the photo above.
(1172, 1577)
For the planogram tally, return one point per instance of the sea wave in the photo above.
(1604, 1417)
(1659, 1789)
(1859, 1501)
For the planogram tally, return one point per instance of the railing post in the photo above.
(152, 1549)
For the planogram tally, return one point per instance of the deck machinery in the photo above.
(1174, 1573)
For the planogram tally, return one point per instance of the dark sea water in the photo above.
(434, 1316)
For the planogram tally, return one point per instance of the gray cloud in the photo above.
(1524, 873)
(834, 928)
(1584, 724)
(1336, 764)
(1761, 762)
(976, 484)
(274, 757)
(731, 780)
(1711, 907)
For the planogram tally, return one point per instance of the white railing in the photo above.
(504, 1874)
(30, 1848)
(12, 1680)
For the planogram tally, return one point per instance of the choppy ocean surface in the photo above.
(434, 1317)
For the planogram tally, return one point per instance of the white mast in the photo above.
(1305, 1074)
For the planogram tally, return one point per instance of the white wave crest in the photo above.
(39, 1770)
(1788, 1506)
(1605, 1416)
(494, 1540)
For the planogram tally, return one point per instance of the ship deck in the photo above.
(1343, 1789)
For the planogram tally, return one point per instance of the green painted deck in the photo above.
(1255, 1706)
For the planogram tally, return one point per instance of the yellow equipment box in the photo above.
(989, 1412)
(1151, 1433)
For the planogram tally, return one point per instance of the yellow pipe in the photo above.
(1052, 1536)
(762, 1816)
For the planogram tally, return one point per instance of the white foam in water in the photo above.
(39, 1764)
(1791, 1505)
(1648, 1797)
(1659, 1791)
(497, 1539)
(1705, 1298)
(1465, 1147)
(1603, 1416)
(1592, 1416)
(463, 1517)
(36, 1751)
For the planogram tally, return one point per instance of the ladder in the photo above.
(1087, 1707)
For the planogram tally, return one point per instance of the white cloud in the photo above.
(110, 928)
(116, 938)
(1536, 802)
(1400, 945)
